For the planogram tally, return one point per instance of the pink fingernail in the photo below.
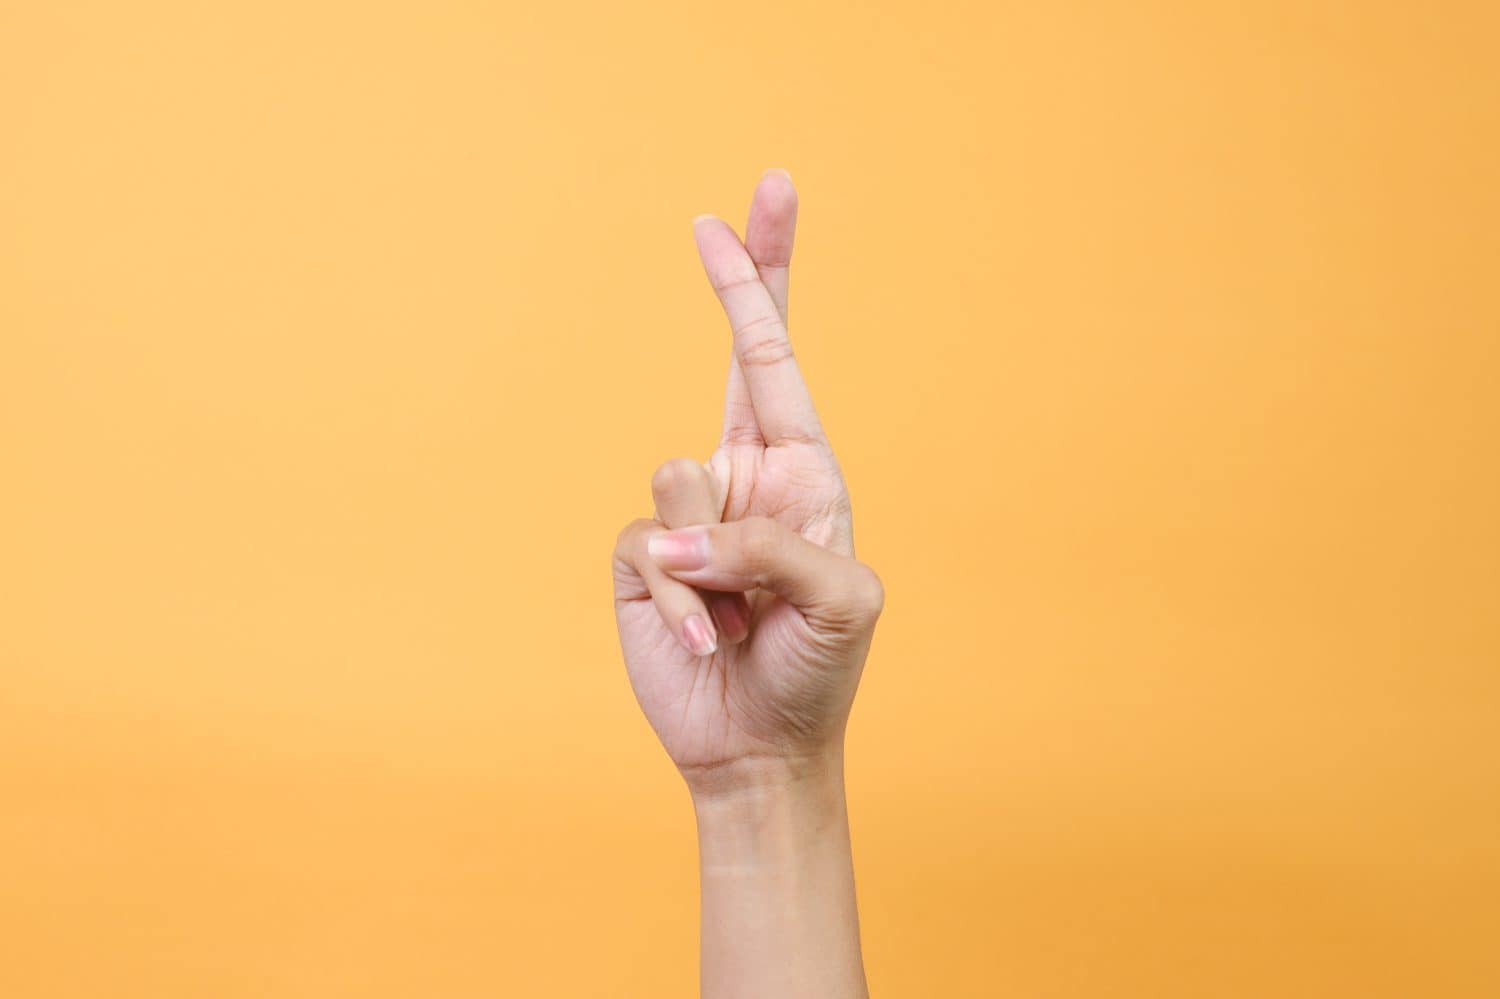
(698, 635)
(679, 551)
(729, 610)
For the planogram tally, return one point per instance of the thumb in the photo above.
(758, 552)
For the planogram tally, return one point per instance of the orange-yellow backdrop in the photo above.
(1160, 342)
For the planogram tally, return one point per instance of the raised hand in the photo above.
(745, 621)
(743, 616)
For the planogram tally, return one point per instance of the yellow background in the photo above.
(1160, 344)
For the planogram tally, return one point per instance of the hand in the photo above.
(743, 615)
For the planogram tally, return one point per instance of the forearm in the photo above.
(778, 909)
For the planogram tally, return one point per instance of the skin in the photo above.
(745, 621)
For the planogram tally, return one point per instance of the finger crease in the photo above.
(736, 283)
(771, 350)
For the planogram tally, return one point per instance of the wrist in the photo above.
(741, 782)
(776, 814)
(779, 914)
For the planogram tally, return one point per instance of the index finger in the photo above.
(783, 407)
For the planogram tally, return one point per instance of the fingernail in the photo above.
(730, 614)
(702, 218)
(779, 170)
(678, 551)
(698, 635)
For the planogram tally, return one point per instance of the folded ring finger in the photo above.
(684, 497)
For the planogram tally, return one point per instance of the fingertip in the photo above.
(772, 226)
(710, 230)
(723, 255)
(775, 187)
(698, 636)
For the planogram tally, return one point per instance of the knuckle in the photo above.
(734, 279)
(760, 538)
(630, 536)
(866, 592)
(743, 434)
(761, 349)
(674, 475)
